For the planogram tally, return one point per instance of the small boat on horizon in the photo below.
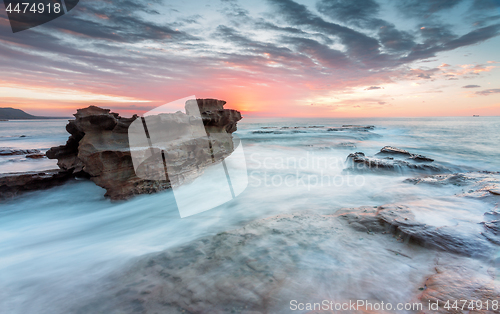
(475, 115)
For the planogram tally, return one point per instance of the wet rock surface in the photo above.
(360, 163)
(400, 221)
(357, 130)
(13, 184)
(389, 150)
(99, 146)
(35, 156)
(350, 127)
(452, 239)
(480, 184)
(474, 185)
(393, 151)
(455, 286)
(10, 152)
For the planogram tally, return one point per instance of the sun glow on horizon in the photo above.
(60, 94)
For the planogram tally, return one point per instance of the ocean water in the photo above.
(57, 244)
(30, 134)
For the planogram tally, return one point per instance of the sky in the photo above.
(266, 58)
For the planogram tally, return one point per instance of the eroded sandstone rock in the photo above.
(99, 146)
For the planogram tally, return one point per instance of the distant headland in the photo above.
(8, 113)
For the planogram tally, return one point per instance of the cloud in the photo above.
(488, 92)
(441, 39)
(363, 14)
(395, 40)
(467, 70)
(362, 101)
(130, 49)
(425, 8)
(373, 87)
(358, 45)
(124, 22)
(422, 73)
(471, 86)
(354, 12)
(322, 53)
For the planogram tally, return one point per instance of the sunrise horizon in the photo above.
(272, 58)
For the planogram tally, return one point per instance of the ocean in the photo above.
(56, 245)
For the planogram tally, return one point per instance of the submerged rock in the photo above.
(35, 156)
(13, 184)
(393, 151)
(99, 146)
(346, 145)
(483, 185)
(389, 150)
(262, 132)
(363, 219)
(400, 221)
(492, 230)
(421, 158)
(10, 152)
(458, 179)
(350, 127)
(475, 185)
(452, 239)
(359, 163)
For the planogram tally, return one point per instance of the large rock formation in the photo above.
(98, 146)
